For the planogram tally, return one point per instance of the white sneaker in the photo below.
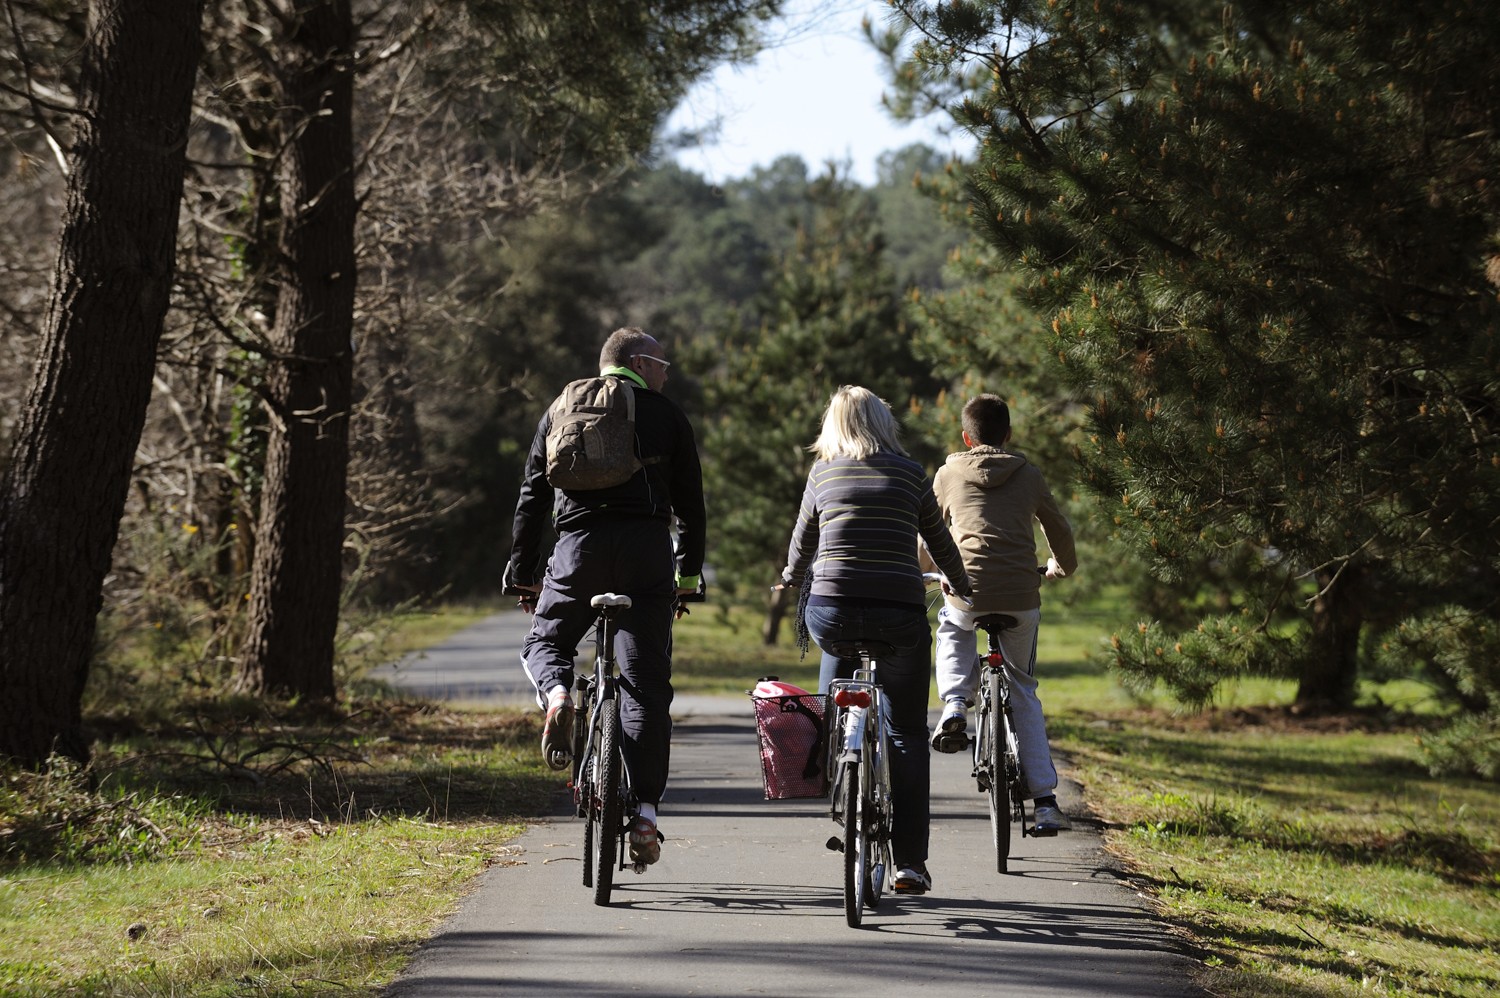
(951, 734)
(1049, 821)
(912, 880)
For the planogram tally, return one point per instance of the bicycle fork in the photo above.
(583, 745)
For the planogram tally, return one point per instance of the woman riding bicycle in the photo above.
(855, 543)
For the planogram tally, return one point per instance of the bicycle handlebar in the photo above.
(940, 577)
(528, 596)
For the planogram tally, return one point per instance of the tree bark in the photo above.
(64, 490)
(1328, 678)
(776, 607)
(296, 576)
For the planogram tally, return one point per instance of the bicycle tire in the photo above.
(583, 788)
(588, 853)
(1014, 778)
(854, 875)
(983, 735)
(580, 738)
(997, 735)
(608, 810)
(875, 829)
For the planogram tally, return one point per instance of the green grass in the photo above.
(1304, 861)
(286, 873)
(268, 912)
(720, 651)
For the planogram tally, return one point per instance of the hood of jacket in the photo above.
(985, 466)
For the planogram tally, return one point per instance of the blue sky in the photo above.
(815, 92)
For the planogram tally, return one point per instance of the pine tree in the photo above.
(1265, 236)
(64, 486)
(832, 316)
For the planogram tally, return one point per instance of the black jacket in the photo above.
(670, 485)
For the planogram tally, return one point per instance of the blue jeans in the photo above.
(905, 677)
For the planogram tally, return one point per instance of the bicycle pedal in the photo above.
(835, 844)
(951, 744)
(1042, 833)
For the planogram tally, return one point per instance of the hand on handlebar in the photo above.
(1054, 570)
(526, 596)
(948, 589)
(684, 596)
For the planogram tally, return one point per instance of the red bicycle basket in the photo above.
(793, 741)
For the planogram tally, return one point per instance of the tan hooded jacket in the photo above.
(989, 498)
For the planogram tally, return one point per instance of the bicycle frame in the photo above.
(997, 768)
(592, 689)
(601, 783)
(860, 788)
(602, 793)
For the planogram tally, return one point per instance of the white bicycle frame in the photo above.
(855, 740)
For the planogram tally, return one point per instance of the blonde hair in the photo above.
(856, 424)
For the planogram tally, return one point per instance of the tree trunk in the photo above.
(295, 579)
(64, 489)
(1328, 677)
(775, 612)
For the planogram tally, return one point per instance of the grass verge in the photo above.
(1304, 858)
(274, 908)
(249, 851)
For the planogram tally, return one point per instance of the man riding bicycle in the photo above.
(615, 539)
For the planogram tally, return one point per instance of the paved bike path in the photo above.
(747, 900)
(479, 664)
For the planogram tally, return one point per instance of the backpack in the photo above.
(591, 442)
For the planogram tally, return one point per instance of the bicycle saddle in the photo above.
(609, 599)
(859, 647)
(996, 622)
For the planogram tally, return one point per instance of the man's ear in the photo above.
(968, 442)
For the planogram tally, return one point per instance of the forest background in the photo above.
(279, 323)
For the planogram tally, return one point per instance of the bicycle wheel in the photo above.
(583, 787)
(588, 853)
(1014, 778)
(997, 735)
(876, 828)
(983, 736)
(606, 817)
(854, 853)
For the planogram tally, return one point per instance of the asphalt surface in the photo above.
(480, 664)
(747, 899)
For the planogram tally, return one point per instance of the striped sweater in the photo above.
(857, 531)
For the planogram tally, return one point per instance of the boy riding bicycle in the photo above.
(989, 497)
